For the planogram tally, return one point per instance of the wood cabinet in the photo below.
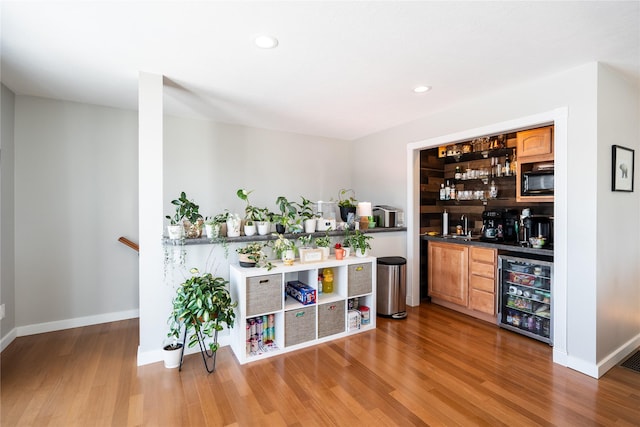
(482, 280)
(534, 143)
(463, 277)
(448, 272)
(268, 322)
(534, 146)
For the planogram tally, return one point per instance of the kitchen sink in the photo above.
(461, 237)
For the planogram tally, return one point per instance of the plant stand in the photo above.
(206, 354)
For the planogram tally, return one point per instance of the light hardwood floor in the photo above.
(437, 367)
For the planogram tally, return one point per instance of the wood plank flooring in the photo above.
(437, 367)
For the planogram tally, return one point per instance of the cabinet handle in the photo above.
(332, 307)
(300, 314)
(264, 281)
(359, 268)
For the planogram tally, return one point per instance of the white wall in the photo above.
(618, 236)
(210, 162)
(75, 194)
(576, 89)
(7, 235)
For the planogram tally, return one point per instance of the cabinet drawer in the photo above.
(264, 294)
(299, 326)
(482, 283)
(483, 302)
(330, 318)
(485, 255)
(359, 279)
(482, 269)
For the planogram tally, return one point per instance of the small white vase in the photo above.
(310, 225)
(361, 254)
(212, 230)
(325, 253)
(288, 256)
(175, 231)
(233, 228)
(347, 251)
(263, 227)
(250, 230)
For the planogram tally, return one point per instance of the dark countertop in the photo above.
(508, 247)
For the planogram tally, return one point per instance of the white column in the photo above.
(154, 295)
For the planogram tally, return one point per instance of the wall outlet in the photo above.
(1, 311)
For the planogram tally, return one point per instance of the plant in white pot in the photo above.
(284, 248)
(360, 243)
(188, 212)
(324, 243)
(200, 308)
(286, 216)
(233, 225)
(305, 211)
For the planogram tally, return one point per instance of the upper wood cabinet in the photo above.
(535, 143)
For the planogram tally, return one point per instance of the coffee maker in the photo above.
(500, 225)
(492, 226)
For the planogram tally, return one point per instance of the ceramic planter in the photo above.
(310, 225)
(233, 227)
(362, 253)
(263, 227)
(174, 231)
(250, 230)
(172, 356)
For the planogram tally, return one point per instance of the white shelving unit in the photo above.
(261, 298)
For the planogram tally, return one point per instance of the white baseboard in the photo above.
(153, 356)
(8, 339)
(618, 355)
(77, 322)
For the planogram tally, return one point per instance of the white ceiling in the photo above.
(342, 69)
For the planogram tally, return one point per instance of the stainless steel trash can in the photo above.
(392, 287)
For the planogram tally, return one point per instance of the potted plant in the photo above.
(286, 216)
(172, 353)
(175, 229)
(347, 204)
(252, 255)
(346, 242)
(324, 243)
(188, 212)
(250, 212)
(307, 215)
(201, 306)
(263, 221)
(360, 243)
(284, 248)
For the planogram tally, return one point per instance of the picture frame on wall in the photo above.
(622, 168)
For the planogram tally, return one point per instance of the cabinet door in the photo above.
(534, 142)
(449, 272)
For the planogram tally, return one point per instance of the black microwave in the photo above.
(537, 183)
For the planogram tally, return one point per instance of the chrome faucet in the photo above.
(465, 224)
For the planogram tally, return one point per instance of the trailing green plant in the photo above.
(254, 252)
(185, 209)
(202, 304)
(346, 241)
(347, 198)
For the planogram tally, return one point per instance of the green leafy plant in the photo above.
(185, 209)
(346, 198)
(305, 241)
(360, 241)
(254, 253)
(202, 305)
(281, 244)
(324, 241)
(287, 213)
(305, 211)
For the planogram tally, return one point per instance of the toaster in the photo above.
(386, 216)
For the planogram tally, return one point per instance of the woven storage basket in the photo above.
(264, 294)
(331, 318)
(359, 279)
(299, 325)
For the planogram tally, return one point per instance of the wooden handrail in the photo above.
(129, 243)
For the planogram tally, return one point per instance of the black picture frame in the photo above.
(622, 168)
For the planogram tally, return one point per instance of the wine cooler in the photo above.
(525, 297)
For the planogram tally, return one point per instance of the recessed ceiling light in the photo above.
(421, 89)
(266, 42)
